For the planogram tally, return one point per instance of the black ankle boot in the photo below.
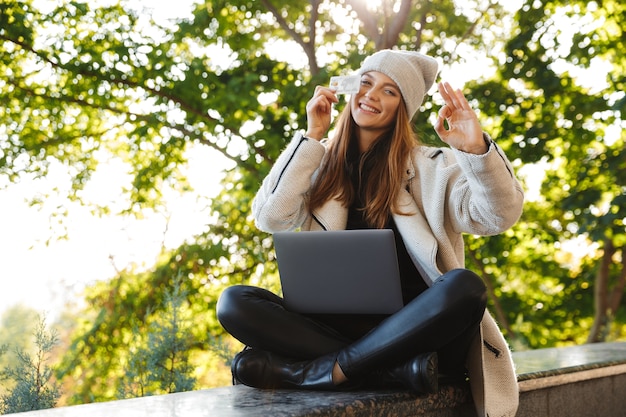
(261, 369)
(420, 375)
(233, 366)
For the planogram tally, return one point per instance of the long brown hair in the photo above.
(380, 194)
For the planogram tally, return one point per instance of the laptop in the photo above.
(339, 272)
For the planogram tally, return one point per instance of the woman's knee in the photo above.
(244, 303)
(464, 284)
(228, 306)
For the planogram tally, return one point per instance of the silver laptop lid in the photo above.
(339, 272)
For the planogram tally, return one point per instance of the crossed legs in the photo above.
(442, 319)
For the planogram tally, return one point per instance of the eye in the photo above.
(365, 82)
(391, 92)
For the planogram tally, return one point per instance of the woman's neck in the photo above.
(366, 139)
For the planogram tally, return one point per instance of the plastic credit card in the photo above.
(345, 84)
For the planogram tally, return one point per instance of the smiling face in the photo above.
(375, 106)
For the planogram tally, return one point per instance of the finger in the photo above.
(460, 100)
(327, 92)
(453, 97)
(456, 97)
(445, 111)
(440, 124)
(441, 131)
(320, 104)
(444, 88)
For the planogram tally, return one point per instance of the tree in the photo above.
(17, 325)
(159, 362)
(34, 387)
(546, 107)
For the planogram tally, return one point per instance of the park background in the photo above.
(133, 136)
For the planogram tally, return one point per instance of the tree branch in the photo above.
(126, 83)
(116, 80)
(139, 117)
(370, 25)
(308, 47)
(470, 30)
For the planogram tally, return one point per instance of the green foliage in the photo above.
(129, 318)
(34, 387)
(159, 361)
(83, 82)
(16, 328)
(545, 112)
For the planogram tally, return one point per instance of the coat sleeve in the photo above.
(281, 201)
(484, 196)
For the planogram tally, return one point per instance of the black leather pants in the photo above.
(444, 318)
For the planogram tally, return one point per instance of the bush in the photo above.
(33, 387)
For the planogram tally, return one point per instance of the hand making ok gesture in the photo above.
(463, 131)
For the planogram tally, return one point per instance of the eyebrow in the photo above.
(392, 85)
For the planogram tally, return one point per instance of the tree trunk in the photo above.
(387, 36)
(617, 292)
(601, 319)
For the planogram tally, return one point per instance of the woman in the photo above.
(374, 174)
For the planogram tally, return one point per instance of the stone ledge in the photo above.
(555, 382)
(450, 401)
(533, 384)
(585, 380)
(540, 363)
(552, 366)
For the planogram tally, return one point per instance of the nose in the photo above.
(370, 94)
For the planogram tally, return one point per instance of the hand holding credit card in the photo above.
(345, 84)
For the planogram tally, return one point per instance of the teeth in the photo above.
(368, 108)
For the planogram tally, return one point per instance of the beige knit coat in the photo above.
(449, 193)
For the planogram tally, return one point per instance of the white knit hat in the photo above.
(414, 73)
